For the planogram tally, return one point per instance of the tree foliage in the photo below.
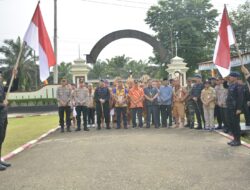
(189, 23)
(240, 20)
(64, 71)
(28, 72)
(121, 66)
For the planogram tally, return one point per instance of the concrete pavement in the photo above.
(133, 159)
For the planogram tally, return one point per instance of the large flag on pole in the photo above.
(225, 39)
(38, 39)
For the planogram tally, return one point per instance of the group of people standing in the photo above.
(163, 103)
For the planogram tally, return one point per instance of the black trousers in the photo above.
(81, 110)
(91, 115)
(199, 112)
(3, 126)
(103, 110)
(246, 111)
(61, 111)
(165, 111)
(224, 117)
(234, 123)
(217, 114)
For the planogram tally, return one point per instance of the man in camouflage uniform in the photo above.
(189, 108)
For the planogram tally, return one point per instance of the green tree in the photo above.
(27, 69)
(189, 23)
(240, 20)
(98, 71)
(64, 71)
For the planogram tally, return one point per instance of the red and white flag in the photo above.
(38, 39)
(225, 39)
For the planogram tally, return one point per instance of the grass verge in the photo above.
(22, 130)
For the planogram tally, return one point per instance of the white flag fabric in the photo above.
(225, 39)
(37, 38)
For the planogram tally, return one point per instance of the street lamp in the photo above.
(130, 73)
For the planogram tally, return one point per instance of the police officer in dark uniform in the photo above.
(101, 97)
(3, 114)
(234, 103)
(195, 97)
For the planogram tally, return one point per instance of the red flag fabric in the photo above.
(225, 39)
(38, 39)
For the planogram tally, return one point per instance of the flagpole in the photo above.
(15, 68)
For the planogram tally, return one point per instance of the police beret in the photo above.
(211, 78)
(164, 79)
(197, 76)
(101, 80)
(234, 74)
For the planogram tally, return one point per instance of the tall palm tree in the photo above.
(27, 69)
(64, 71)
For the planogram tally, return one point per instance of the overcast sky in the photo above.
(81, 23)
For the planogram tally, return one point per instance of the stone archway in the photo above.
(102, 43)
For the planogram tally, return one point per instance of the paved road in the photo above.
(133, 159)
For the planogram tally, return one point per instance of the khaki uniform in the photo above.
(208, 95)
(179, 105)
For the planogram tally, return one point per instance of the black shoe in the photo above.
(98, 128)
(125, 127)
(78, 129)
(235, 143)
(118, 127)
(86, 129)
(218, 128)
(108, 127)
(198, 128)
(62, 130)
(229, 143)
(5, 164)
(2, 167)
(68, 130)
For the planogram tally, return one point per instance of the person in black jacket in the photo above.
(3, 114)
(234, 103)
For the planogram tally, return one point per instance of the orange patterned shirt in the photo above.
(136, 95)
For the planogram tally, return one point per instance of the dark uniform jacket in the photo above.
(235, 96)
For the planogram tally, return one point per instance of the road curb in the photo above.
(29, 115)
(28, 145)
(230, 137)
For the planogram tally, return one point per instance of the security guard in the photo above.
(234, 103)
(102, 97)
(3, 114)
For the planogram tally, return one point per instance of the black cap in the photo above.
(234, 74)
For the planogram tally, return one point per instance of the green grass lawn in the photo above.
(22, 130)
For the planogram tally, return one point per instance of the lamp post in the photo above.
(130, 73)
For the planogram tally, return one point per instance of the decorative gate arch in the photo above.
(102, 43)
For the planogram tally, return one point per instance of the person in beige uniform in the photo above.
(81, 99)
(91, 105)
(208, 96)
(179, 96)
(63, 95)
